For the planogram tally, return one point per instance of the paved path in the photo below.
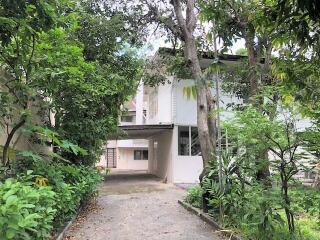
(139, 208)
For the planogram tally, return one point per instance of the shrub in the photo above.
(73, 185)
(194, 196)
(26, 210)
(44, 199)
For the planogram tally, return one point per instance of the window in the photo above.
(188, 141)
(195, 144)
(140, 155)
(183, 144)
(128, 118)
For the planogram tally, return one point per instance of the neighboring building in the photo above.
(129, 154)
(20, 141)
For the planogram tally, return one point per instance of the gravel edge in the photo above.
(205, 217)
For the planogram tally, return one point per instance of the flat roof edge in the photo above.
(146, 126)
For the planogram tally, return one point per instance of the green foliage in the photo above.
(94, 80)
(255, 211)
(20, 24)
(73, 185)
(190, 92)
(242, 52)
(44, 199)
(71, 59)
(168, 61)
(301, 17)
(26, 211)
(259, 211)
(194, 196)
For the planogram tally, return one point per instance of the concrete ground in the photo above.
(139, 207)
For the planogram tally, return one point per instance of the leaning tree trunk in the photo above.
(205, 103)
(6, 147)
(206, 131)
(206, 122)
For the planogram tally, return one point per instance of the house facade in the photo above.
(160, 131)
(161, 136)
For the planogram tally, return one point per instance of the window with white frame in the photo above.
(188, 141)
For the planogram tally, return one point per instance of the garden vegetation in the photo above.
(66, 67)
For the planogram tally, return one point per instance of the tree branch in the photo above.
(178, 12)
(275, 152)
(275, 142)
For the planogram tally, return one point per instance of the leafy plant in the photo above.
(73, 186)
(26, 210)
(194, 196)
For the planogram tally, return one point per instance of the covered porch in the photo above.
(159, 139)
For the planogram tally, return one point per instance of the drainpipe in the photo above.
(139, 104)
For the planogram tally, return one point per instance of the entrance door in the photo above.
(111, 158)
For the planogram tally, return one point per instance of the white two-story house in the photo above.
(160, 131)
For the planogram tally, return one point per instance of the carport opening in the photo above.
(136, 151)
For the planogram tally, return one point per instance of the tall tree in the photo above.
(88, 70)
(180, 21)
(20, 25)
(70, 59)
(233, 20)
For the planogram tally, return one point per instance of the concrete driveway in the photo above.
(139, 207)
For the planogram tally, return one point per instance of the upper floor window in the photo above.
(129, 117)
(188, 141)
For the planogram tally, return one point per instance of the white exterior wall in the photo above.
(112, 144)
(186, 169)
(185, 110)
(162, 101)
(132, 143)
(125, 154)
(160, 155)
(139, 104)
(125, 160)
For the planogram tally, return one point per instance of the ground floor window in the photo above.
(188, 141)
(140, 155)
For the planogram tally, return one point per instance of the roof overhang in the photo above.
(142, 131)
(207, 58)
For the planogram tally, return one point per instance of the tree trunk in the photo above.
(263, 172)
(206, 131)
(205, 103)
(5, 154)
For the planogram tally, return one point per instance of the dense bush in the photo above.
(73, 185)
(26, 210)
(42, 200)
(257, 212)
